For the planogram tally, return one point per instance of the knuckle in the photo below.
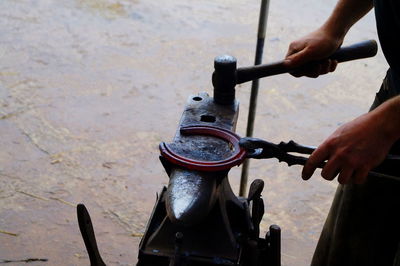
(351, 163)
(293, 47)
(329, 144)
(342, 156)
(354, 162)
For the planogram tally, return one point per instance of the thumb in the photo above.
(300, 58)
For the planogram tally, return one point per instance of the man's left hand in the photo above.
(354, 148)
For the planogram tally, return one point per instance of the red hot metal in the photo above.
(207, 166)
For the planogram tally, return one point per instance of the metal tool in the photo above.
(87, 231)
(226, 75)
(261, 149)
(209, 166)
(262, 27)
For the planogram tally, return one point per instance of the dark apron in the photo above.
(363, 224)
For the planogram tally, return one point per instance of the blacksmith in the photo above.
(363, 225)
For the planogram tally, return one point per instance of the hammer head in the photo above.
(224, 79)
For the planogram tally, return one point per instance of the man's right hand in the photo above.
(314, 46)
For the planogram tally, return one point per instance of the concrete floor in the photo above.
(88, 89)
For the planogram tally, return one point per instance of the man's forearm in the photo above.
(345, 14)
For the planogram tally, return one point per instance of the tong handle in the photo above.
(391, 161)
(296, 160)
(87, 231)
(261, 149)
(388, 169)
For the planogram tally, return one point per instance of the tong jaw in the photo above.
(261, 149)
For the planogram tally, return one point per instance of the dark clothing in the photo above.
(363, 224)
(387, 14)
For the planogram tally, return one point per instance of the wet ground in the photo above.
(88, 88)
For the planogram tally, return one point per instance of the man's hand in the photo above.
(317, 45)
(327, 39)
(358, 146)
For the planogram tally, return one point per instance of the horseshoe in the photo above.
(208, 166)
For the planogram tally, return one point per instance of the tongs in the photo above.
(262, 149)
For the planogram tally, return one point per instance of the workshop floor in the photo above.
(88, 88)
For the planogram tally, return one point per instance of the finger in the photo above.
(325, 66)
(310, 70)
(297, 74)
(295, 47)
(315, 159)
(331, 169)
(299, 58)
(360, 175)
(345, 176)
(314, 71)
(333, 65)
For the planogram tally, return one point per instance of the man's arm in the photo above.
(328, 38)
(362, 144)
(345, 14)
(358, 146)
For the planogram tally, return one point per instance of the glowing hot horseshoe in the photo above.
(208, 166)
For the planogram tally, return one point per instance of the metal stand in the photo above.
(262, 26)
